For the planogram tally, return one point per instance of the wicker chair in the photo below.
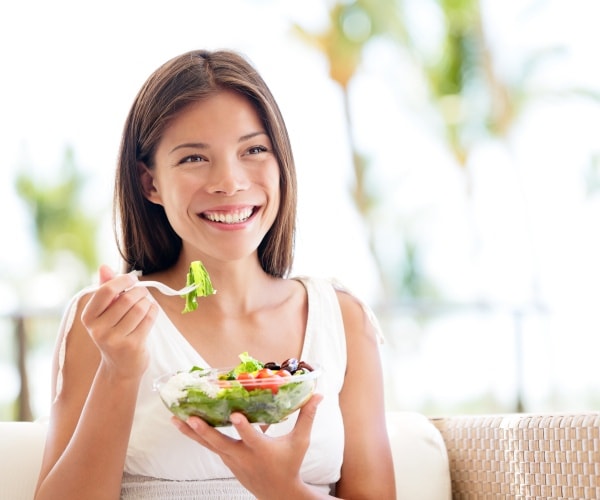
(523, 456)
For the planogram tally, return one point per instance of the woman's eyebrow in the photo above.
(251, 135)
(195, 145)
(203, 145)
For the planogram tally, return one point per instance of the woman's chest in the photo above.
(271, 333)
(273, 338)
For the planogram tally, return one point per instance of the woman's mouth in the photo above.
(229, 217)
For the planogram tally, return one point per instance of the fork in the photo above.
(167, 290)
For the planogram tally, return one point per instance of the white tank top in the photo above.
(157, 451)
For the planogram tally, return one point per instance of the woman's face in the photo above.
(217, 177)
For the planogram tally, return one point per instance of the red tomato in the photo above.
(269, 380)
(247, 380)
(283, 373)
(265, 373)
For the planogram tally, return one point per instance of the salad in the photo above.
(265, 393)
(197, 275)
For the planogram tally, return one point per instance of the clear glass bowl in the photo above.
(204, 394)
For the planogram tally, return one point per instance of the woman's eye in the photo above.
(257, 149)
(192, 159)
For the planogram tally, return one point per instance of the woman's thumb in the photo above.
(306, 417)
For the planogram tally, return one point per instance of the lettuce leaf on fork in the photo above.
(197, 275)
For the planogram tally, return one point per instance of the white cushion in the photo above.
(421, 464)
(21, 449)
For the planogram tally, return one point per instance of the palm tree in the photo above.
(472, 101)
(351, 26)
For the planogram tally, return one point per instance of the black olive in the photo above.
(305, 366)
(271, 365)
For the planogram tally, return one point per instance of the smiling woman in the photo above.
(206, 173)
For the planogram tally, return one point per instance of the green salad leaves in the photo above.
(197, 275)
(260, 407)
(247, 365)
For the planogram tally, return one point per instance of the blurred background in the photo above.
(448, 154)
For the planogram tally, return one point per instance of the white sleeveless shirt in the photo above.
(163, 463)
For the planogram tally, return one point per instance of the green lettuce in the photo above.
(247, 365)
(261, 405)
(197, 275)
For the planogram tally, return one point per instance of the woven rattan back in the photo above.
(523, 456)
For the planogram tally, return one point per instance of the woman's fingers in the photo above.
(136, 316)
(107, 293)
(203, 433)
(185, 428)
(128, 309)
(200, 431)
(246, 430)
(116, 310)
(117, 303)
(118, 318)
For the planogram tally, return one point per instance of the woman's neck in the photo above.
(241, 286)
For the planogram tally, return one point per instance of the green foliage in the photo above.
(352, 24)
(461, 47)
(58, 218)
(413, 282)
(472, 100)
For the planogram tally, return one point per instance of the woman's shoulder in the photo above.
(346, 296)
(328, 282)
(354, 309)
(321, 283)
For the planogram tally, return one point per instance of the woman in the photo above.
(206, 173)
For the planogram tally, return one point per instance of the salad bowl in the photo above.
(264, 395)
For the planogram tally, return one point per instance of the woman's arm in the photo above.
(91, 416)
(367, 469)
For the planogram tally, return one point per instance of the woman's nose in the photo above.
(227, 176)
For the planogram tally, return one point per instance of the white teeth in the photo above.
(230, 217)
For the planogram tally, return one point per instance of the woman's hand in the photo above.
(268, 467)
(118, 319)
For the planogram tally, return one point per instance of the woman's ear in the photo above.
(147, 180)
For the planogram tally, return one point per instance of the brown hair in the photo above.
(147, 242)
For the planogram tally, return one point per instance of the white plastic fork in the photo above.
(167, 290)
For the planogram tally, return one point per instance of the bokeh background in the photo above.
(448, 154)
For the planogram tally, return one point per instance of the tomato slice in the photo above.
(283, 373)
(269, 380)
(247, 380)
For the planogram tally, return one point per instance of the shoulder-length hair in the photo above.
(145, 238)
